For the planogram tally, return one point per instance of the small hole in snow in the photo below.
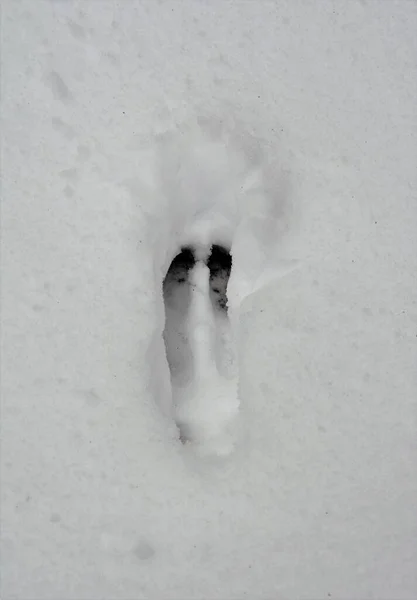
(220, 265)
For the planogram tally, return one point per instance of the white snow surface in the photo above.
(287, 132)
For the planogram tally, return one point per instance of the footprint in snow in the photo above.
(199, 347)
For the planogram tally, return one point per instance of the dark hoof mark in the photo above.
(177, 299)
(180, 266)
(219, 259)
(220, 265)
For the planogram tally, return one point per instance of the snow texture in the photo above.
(171, 429)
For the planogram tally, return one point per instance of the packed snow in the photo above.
(208, 300)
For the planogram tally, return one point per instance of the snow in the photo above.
(287, 133)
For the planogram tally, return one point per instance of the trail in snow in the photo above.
(199, 347)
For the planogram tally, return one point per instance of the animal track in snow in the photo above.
(212, 189)
(199, 347)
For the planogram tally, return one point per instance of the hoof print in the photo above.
(180, 266)
(220, 265)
